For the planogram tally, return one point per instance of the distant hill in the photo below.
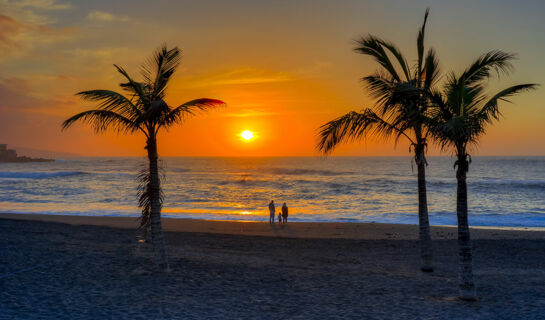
(48, 154)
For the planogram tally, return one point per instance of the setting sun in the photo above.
(247, 135)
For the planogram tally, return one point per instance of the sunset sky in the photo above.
(283, 68)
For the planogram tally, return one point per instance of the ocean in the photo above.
(503, 191)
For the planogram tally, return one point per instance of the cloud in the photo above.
(25, 24)
(105, 53)
(22, 96)
(249, 76)
(17, 96)
(39, 4)
(18, 38)
(9, 28)
(313, 69)
(106, 16)
(32, 11)
(242, 76)
(253, 114)
(244, 113)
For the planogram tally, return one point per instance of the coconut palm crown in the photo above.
(461, 115)
(142, 109)
(398, 113)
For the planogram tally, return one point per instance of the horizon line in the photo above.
(315, 156)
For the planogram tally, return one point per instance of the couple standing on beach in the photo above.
(282, 216)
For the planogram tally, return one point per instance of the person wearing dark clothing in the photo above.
(284, 213)
(272, 210)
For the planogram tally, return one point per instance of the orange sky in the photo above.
(283, 67)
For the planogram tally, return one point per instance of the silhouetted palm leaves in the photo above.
(461, 115)
(143, 109)
(399, 111)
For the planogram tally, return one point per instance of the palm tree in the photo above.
(396, 113)
(461, 115)
(144, 110)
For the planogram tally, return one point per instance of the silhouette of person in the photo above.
(279, 217)
(284, 213)
(272, 210)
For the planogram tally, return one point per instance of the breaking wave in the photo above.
(296, 171)
(38, 175)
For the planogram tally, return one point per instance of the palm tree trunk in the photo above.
(465, 276)
(157, 237)
(426, 251)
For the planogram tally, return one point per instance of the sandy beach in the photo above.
(92, 267)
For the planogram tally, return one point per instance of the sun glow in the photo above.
(247, 135)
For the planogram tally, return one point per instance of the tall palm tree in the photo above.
(461, 115)
(144, 110)
(396, 113)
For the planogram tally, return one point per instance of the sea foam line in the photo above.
(38, 175)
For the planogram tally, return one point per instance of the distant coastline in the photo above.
(10, 155)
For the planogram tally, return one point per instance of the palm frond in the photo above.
(434, 98)
(137, 89)
(144, 194)
(159, 68)
(399, 57)
(373, 46)
(490, 111)
(431, 69)
(482, 68)
(190, 108)
(392, 96)
(354, 126)
(156, 113)
(463, 117)
(401, 102)
(101, 120)
(111, 101)
(380, 85)
(420, 45)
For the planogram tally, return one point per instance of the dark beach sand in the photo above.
(53, 270)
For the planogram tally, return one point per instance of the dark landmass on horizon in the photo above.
(10, 155)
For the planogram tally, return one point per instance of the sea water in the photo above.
(502, 191)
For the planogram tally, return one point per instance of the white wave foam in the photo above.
(298, 171)
(38, 175)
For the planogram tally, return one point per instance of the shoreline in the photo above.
(307, 230)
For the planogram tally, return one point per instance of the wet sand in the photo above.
(91, 268)
(313, 230)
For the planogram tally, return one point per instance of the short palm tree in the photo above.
(144, 110)
(398, 112)
(461, 115)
